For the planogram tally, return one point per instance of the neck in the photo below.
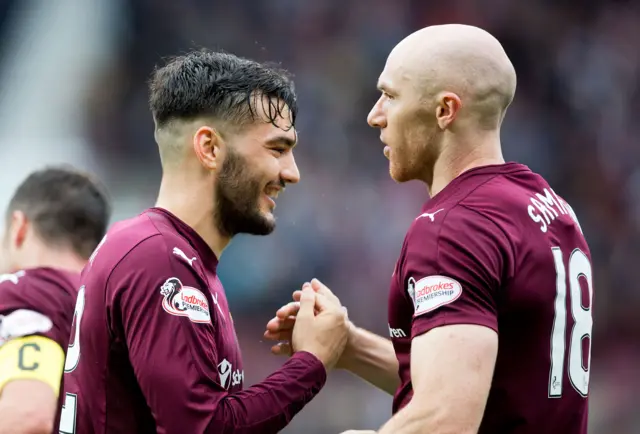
(460, 155)
(192, 202)
(41, 256)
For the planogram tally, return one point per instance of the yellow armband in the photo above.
(32, 358)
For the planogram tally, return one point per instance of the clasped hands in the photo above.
(316, 322)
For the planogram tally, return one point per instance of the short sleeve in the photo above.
(454, 270)
(36, 309)
(31, 305)
(160, 310)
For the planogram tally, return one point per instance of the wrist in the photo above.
(349, 353)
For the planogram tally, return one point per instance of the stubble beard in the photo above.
(238, 191)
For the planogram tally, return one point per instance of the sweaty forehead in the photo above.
(279, 132)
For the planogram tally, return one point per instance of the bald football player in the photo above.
(490, 301)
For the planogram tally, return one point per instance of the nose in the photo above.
(289, 173)
(376, 118)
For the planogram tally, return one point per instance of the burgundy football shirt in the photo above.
(499, 248)
(154, 347)
(42, 300)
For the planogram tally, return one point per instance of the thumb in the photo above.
(307, 302)
(321, 288)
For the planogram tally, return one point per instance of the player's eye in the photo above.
(387, 95)
(279, 151)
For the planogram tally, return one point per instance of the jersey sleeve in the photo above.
(173, 354)
(35, 316)
(454, 270)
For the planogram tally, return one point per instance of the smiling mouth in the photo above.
(272, 194)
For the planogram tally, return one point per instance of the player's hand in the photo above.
(323, 334)
(280, 327)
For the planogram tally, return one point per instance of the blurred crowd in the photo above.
(578, 66)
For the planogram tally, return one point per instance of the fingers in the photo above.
(282, 349)
(307, 303)
(278, 336)
(321, 288)
(278, 330)
(278, 324)
(324, 303)
(289, 309)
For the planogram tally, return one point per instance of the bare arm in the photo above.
(367, 355)
(372, 358)
(450, 399)
(27, 407)
(30, 372)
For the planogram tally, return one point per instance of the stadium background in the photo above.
(73, 89)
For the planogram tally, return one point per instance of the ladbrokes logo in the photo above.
(432, 292)
(180, 300)
(440, 286)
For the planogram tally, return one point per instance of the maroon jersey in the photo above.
(154, 347)
(498, 248)
(41, 300)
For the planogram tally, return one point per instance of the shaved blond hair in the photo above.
(460, 59)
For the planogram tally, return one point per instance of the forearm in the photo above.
(409, 420)
(269, 406)
(15, 421)
(27, 407)
(372, 358)
(418, 419)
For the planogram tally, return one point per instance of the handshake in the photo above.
(315, 322)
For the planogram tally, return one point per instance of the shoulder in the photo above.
(41, 289)
(155, 257)
(141, 242)
(37, 301)
(453, 223)
(493, 206)
(457, 240)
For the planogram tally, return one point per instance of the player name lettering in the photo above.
(547, 206)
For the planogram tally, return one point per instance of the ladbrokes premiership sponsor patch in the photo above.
(186, 301)
(432, 292)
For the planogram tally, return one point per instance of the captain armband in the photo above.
(31, 358)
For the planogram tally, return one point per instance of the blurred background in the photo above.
(73, 89)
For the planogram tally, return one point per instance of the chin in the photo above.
(398, 175)
(264, 223)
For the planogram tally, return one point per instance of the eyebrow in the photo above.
(282, 140)
(383, 87)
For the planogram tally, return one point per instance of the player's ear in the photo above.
(207, 145)
(447, 109)
(18, 228)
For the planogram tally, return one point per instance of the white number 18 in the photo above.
(579, 266)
